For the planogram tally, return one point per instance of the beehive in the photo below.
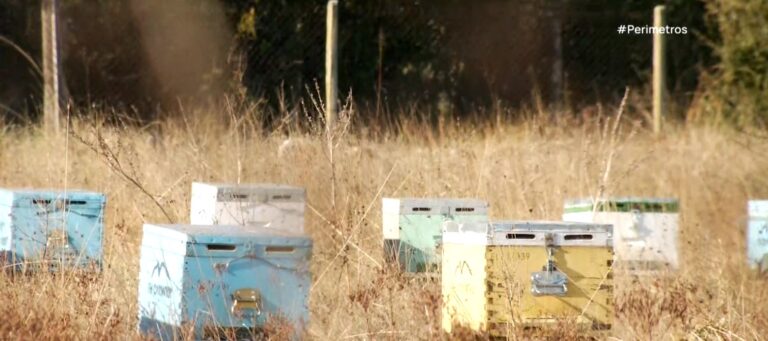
(757, 234)
(646, 229)
(412, 228)
(222, 279)
(527, 274)
(463, 276)
(54, 229)
(248, 204)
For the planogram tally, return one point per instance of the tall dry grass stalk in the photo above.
(525, 170)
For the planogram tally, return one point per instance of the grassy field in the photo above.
(524, 169)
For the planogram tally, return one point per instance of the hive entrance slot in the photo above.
(61, 202)
(421, 209)
(239, 196)
(521, 236)
(281, 197)
(578, 237)
(465, 209)
(628, 207)
(280, 249)
(221, 247)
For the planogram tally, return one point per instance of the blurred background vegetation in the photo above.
(149, 58)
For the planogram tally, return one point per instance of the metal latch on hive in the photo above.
(549, 281)
(246, 300)
(58, 247)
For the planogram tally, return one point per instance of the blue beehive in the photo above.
(219, 280)
(757, 233)
(55, 229)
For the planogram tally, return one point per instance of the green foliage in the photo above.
(597, 59)
(20, 88)
(246, 28)
(738, 90)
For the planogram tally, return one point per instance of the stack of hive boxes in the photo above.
(243, 263)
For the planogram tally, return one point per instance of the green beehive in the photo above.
(413, 228)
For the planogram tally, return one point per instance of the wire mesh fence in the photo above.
(146, 55)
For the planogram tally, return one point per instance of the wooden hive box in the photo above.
(527, 274)
(222, 279)
(757, 234)
(646, 230)
(248, 204)
(52, 229)
(412, 228)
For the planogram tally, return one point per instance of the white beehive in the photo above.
(645, 229)
(757, 234)
(248, 204)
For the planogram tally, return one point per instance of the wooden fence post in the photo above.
(51, 66)
(331, 63)
(557, 65)
(659, 69)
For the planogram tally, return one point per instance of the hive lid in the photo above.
(546, 225)
(758, 208)
(623, 204)
(480, 227)
(226, 234)
(255, 192)
(561, 233)
(50, 197)
(467, 233)
(434, 206)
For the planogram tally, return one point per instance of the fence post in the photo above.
(557, 65)
(659, 69)
(51, 67)
(331, 63)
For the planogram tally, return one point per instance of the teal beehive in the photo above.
(222, 280)
(412, 228)
(52, 229)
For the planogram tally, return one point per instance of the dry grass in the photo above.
(525, 170)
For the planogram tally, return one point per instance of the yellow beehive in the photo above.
(531, 274)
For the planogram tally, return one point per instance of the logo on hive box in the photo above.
(160, 290)
(157, 289)
(159, 268)
(463, 268)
